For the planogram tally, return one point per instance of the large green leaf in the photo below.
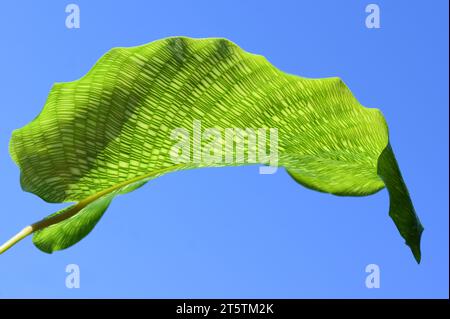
(110, 131)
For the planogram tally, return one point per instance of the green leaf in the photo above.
(110, 131)
(69, 231)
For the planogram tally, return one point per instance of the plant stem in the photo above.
(41, 225)
(78, 207)
(16, 238)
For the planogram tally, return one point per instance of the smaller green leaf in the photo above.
(70, 231)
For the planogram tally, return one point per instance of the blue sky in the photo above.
(231, 232)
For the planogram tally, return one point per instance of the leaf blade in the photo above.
(113, 125)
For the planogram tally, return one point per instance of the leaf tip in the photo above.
(415, 246)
